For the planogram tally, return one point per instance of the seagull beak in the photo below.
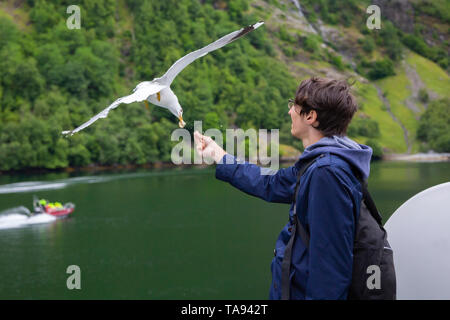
(181, 124)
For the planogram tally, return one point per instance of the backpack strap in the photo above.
(286, 263)
(367, 198)
(371, 204)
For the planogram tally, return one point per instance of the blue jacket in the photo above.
(327, 205)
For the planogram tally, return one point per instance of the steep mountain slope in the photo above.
(339, 49)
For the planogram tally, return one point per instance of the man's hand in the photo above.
(207, 147)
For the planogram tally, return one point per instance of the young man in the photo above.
(329, 195)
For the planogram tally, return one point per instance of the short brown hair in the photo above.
(331, 99)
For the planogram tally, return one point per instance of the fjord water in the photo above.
(161, 234)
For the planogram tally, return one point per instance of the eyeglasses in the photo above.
(291, 103)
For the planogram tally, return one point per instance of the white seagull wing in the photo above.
(181, 63)
(140, 93)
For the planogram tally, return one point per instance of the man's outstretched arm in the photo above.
(247, 177)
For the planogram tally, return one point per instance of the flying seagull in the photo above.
(158, 90)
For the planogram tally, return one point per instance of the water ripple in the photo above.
(33, 186)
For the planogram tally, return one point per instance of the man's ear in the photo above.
(312, 118)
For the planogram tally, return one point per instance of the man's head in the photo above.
(322, 107)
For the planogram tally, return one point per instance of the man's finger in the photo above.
(199, 149)
(196, 136)
(200, 145)
(198, 139)
(207, 139)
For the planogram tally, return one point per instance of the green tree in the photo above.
(434, 126)
(381, 69)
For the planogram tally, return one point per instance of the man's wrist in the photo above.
(220, 156)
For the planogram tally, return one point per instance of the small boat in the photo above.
(67, 209)
(58, 211)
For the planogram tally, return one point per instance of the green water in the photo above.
(161, 234)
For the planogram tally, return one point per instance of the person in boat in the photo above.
(42, 205)
(46, 206)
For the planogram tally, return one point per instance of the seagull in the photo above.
(158, 90)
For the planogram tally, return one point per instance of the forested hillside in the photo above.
(53, 78)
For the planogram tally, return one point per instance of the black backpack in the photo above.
(373, 275)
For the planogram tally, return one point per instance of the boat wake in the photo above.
(30, 186)
(20, 217)
(35, 186)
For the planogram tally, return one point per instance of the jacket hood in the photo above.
(357, 155)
